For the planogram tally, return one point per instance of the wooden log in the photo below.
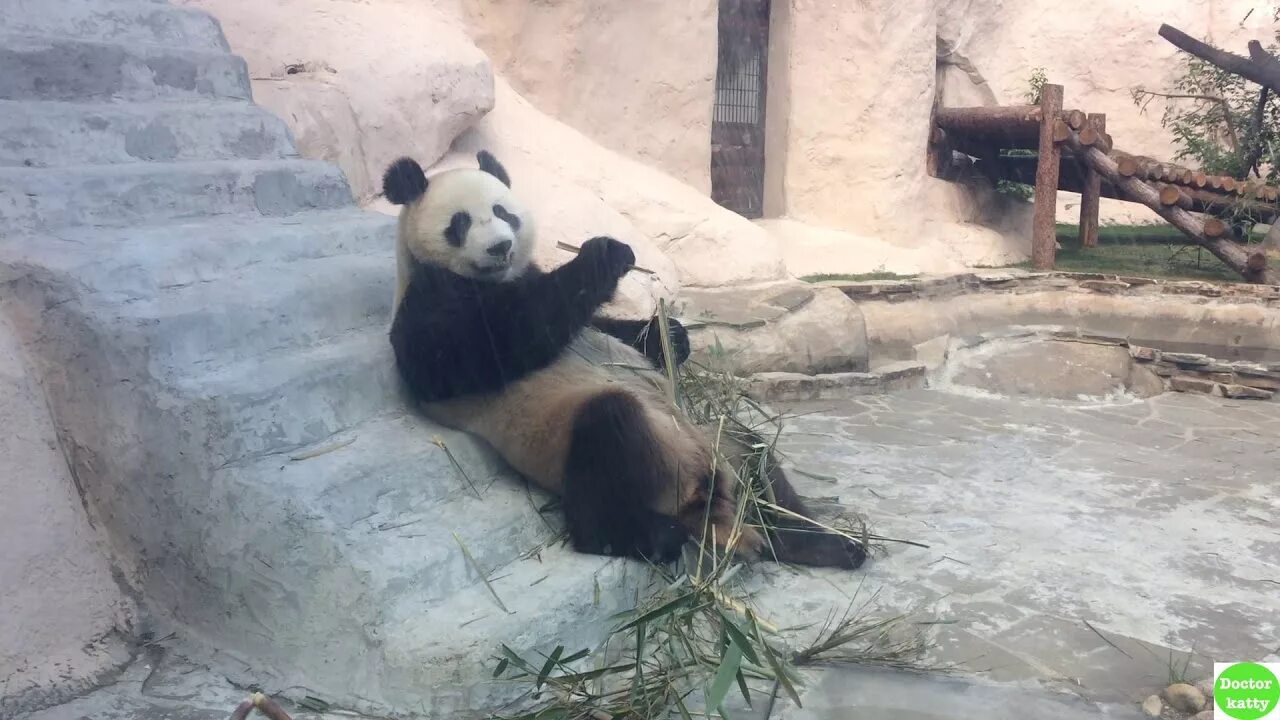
(1215, 228)
(1060, 131)
(1171, 194)
(1129, 166)
(1091, 193)
(1231, 253)
(1071, 179)
(1185, 176)
(1089, 136)
(989, 120)
(1257, 263)
(1074, 119)
(1199, 179)
(1043, 231)
(937, 154)
(1229, 184)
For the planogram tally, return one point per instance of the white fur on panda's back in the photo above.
(530, 423)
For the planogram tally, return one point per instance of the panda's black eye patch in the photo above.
(503, 214)
(456, 233)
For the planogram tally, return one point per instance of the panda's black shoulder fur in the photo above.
(456, 336)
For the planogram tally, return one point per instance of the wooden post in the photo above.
(1090, 199)
(1043, 230)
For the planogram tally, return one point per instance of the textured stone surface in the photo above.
(63, 620)
(825, 335)
(1182, 383)
(1013, 495)
(582, 63)
(1052, 369)
(791, 387)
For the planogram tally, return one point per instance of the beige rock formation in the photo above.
(635, 76)
(357, 82)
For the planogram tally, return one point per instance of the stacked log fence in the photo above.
(1072, 151)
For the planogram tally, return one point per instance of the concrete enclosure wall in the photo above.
(61, 613)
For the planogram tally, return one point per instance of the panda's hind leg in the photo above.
(614, 471)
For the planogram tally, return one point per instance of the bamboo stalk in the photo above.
(575, 250)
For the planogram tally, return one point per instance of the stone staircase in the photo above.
(208, 315)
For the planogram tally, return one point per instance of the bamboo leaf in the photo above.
(502, 665)
(664, 609)
(739, 638)
(548, 666)
(724, 679)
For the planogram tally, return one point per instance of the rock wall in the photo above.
(637, 77)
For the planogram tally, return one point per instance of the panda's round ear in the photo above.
(404, 181)
(490, 164)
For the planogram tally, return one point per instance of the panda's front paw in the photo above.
(679, 340)
(607, 259)
(678, 335)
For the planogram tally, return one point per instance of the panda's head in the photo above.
(466, 221)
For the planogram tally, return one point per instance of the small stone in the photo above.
(1183, 383)
(1151, 707)
(1186, 358)
(1105, 286)
(1184, 698)
(792, 299)
(1206, 687)
(1203, 715)
(1164, 369)
(1244, 392)
(1136, 280)
(1145, 354)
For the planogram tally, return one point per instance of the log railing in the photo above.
(1073, 152)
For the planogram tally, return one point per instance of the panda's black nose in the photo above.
(499, 249)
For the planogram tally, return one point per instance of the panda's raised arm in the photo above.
(455, 336)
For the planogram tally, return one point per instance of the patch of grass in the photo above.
(682, 652)
(859, 277)
(1153, 251)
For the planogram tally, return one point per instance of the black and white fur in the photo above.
(493, 346)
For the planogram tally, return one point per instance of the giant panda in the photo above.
(489, 344)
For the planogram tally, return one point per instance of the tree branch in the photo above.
(1261, 67)
(1256, 145)
(1232, 138)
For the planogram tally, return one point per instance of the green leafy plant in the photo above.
(1222, 122)
(1035, 83)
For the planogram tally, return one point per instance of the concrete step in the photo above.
(399, 519)
(445, 650)
(120, 21)
(279, 403)
(267, 308)
(49, 134)
(140, 192)
(123, 264)
(37, 68)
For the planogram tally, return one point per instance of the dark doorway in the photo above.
(737, 121)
